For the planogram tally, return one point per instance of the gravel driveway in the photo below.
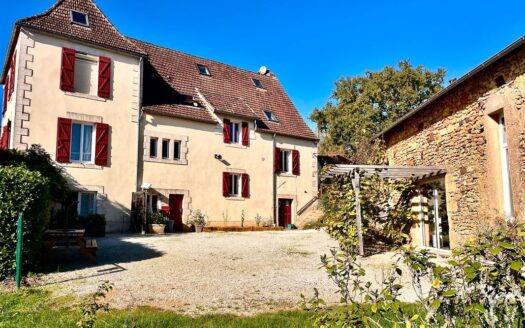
(243, 273)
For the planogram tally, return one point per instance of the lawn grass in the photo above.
(35, 308)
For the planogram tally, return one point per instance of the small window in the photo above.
(165, 149)
(176, 150)
(234, 132)
(203, 70)
(153, 147)
(258, 83)
(285, 161)
(235, 180)
(500, 81)
(270, 116)
(87, 203)
(86, 74)
(79, 18)
(82, 144)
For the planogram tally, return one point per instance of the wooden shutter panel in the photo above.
(63, 140)
(104, 77)
(226, 130)
(295, 162)
(245, 186)
(226, 184)
(6, 90)
(277, 160)
(67, 71)
(12, 76)
(102, 145)
(245, 134)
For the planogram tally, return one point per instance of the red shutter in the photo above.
(245, 186)
(104, 77)
(226, 130)
(295, 162)
(102, 145)
(63, 140)
(67, 71)
(6, 90)
(245, 134)
(6, 132)
(277, 160)
(12, 76)
(226, 184)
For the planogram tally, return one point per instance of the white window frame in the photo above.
(79, 201)
(235, 188)
(167, 149)
(235, 137)
(93, 141)
(78, 23)
(505, 171)
(156, 147)
(286, 165)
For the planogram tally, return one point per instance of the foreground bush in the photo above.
(482, 285)
(21, 191)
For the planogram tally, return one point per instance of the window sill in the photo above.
(236, 145)
(86, 96)
(166, 161)
(237, 198)
(287, 175)
(82, 166)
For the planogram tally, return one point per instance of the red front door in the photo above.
(285, 212)
(176, 211)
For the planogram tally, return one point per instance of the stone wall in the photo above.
(459, 132)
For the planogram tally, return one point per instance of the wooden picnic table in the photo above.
(87, 247)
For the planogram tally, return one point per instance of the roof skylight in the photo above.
(79, 18)
(257, 83)
(270, 116)
(203, 70)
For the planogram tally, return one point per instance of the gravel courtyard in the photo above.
(243, 273)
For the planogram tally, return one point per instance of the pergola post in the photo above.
(356, 184)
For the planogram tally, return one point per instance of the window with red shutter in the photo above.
(104, 77)
(102, 144)
(6, 132)
(63, 140)
(226, 184)
(67, 71)
(295, 162)
(245, 186)
(6, 90)
(245, 134)
(12, 76)
(277, 160)
(226, 131)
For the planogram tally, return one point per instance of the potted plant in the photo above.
(156, 222)
(198, 219)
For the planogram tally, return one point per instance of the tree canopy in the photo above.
(362, 106)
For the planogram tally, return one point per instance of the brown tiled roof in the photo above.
(57, 20)
(168, 74)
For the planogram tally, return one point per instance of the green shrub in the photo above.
(94, 224)
(198, 218)
(21, 191)
(157, 218)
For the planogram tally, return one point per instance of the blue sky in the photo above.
(311, 44)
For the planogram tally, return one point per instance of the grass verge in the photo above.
(35, 308)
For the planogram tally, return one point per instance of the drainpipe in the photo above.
(274, 181)
(140, 146)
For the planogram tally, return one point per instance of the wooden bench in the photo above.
(90, 249)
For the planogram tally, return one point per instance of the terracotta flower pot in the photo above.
(198, 228)
(157, 229)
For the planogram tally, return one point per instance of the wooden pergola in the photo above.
(415, 173)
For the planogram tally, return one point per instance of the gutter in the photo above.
(140, 146)
(516, 44)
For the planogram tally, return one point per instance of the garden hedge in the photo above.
(22, 191)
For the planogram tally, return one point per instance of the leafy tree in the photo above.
(362, 106)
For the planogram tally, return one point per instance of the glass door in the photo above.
(434, 228)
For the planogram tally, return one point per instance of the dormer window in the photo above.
(203, 70)
(270, 116)
(257, 83)
(79, 18)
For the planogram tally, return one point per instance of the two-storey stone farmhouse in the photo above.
(475, 130)
(121, 115)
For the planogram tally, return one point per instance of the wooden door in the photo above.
(285, 212)
(175, 203)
